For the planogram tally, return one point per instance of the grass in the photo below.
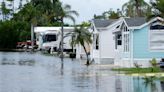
(138, 70)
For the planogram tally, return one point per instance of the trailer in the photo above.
(49, 38)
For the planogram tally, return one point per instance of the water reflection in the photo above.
(162, 85)
(28, 62)
(26, 72)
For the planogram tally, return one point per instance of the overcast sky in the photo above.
(87, 8)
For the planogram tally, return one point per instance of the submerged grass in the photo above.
(138, 70)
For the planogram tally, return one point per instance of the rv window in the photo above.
(49, 38)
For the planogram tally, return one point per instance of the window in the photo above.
(118, 40)
(156, 36)
(157, 25)
(96, 41)
(126, 39)
(49, 37)
(118, 26)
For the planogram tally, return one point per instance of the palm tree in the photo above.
(64, 12)
(82, 37)
(136, 8)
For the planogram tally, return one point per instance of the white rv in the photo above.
(50, 41)
(48, 38)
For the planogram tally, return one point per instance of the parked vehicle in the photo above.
(50, 41)
(49, 38)
(26, 45)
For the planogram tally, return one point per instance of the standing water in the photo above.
(27, 72)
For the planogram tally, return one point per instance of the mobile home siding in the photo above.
(106, 42)
(141, 45)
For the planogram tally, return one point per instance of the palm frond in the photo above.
(70, 17)
(67, 7)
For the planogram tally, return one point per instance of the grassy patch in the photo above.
(139, 70)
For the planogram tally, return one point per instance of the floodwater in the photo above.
(27, 72)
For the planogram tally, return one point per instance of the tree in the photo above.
(98, 16)
(64, 12)
(4, 10)
(8, 35)
(136, 8)
(112, 14)
(82, 37)
(158, 7)
(38, 13)
(12, 5)
(109, 15)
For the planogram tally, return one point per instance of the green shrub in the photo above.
(153, 62)
(8, 35)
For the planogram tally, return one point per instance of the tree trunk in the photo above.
(32, 36)
(72, 46)
(87, 63)
(62, 35)
(137, 8)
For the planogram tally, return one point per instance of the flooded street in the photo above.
(27, 72)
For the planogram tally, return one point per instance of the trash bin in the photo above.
(72, 55)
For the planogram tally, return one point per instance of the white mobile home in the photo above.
(103, 42)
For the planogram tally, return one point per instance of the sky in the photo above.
(87, 8)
